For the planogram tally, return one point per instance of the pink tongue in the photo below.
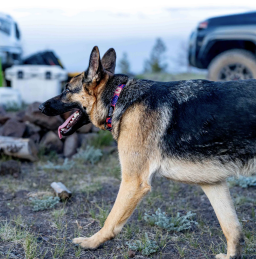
(64, 125)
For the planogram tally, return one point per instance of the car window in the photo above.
(5, 26)
(17, 31)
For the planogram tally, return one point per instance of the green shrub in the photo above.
(90, 154)
(45, 203)
(145, 246)
(244, 182)
(176, 224)
(8, 232)
(14, 107)
(104, 138)
(46, 155)
(67, 165)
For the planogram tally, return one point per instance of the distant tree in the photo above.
(155, 64)
(181, 58)
(124, 64)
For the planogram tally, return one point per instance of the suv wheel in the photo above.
(232, 65)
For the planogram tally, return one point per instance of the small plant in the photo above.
(14, 106)
(46, 155)
(104, 138)
(30, 247)
(176, 224)
(102, 215)
(145, 246)
(67, 165)
(244, 182)
(8, 232)
(91, 188)
(57, 214)
(90, 154)
(45, 203)
(19, 234)
(241, 200)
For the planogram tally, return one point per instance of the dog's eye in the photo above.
(67, 90)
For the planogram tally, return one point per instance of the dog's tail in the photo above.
(248, 168)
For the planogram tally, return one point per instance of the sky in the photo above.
(72, 28)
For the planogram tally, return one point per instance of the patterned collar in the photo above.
(108, 123)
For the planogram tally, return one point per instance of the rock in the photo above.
(95, 129)
(85, 129)
(131, 254)
(3, 115)
(71, 145)
(11, 167)
(85, 139)
(35, 116)
(13, 128)
(36, 138)
(51, 141)
(20, 115)
(31, 129)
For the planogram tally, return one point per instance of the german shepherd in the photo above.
(195, 132)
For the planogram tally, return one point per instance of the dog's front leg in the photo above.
(222, 203)
(132, 190)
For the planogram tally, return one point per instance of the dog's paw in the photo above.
(84, 242)
(221, 256)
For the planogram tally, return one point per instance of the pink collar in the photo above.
(108, 123)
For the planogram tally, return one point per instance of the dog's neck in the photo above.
(100, 110)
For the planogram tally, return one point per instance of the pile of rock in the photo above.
(42, 130)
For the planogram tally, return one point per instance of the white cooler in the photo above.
(36, 82)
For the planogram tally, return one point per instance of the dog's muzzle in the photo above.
(41, 108)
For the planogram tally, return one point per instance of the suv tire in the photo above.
(233, 64)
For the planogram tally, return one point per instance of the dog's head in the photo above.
(81, 92)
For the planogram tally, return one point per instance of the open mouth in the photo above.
(68, 125)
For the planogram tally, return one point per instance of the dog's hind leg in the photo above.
(222, 203)
(132, 190)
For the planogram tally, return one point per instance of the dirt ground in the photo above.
(25, 233)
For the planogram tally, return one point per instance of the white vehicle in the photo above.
(10, 43)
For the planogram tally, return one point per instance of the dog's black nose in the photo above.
(41, 107)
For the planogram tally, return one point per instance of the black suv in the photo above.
(226, 46)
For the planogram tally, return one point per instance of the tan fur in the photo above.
(91, 100)
(135, 181)
(222, 203)
(140, 158)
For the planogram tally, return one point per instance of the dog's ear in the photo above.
(109, 61)
(95, 69)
